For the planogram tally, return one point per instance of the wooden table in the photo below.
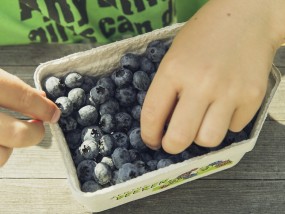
(34, 179)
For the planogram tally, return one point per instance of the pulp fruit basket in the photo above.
(103, 60)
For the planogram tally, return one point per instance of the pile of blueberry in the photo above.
(101, 121)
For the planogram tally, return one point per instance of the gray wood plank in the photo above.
(200, 196)
(37, 53)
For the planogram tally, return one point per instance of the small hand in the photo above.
(18, 96)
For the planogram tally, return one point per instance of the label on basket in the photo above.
(169, 182)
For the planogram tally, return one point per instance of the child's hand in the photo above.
(213, 78)
(18, 96)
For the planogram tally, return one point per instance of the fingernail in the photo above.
(55, 116)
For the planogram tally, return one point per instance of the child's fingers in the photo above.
(21, 97)
(17, 133)
(215, 123)
(157, 106)
(5, 153)
(184, 123)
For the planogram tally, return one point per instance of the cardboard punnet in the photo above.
(105, 59)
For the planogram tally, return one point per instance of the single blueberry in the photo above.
(151, 165)
(108, 160)
(85, 170)
(88, 83)
(196, 150)
(141, 96)
(141, 166)
(151, 76)
(54, 87)
(123, 121)
(100, 94)
(73, 138)
(102, 173)
(87, 115)
(120, 156)
(160, 154)
(136, 140)
(141, 80)
(77, 157)
(185, 155)
(106, 145)
(126, 96)
(107, 123)
(130, 61)
(136, 112)
(127, 171)
(77, 97)
(147, 66)
(155, 53)
(121, 140)
(114, 179)
(73, 80)
(110, 107)
(67, 123)
(90, 186)
(164, 163)
(89, 149)
(65, 106)
(108, 83)
(91, 133)
(134, 155)
(122, 77)
(145, 157)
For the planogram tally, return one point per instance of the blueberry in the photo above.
(147, 66)
(85, 170)
(106, 145)
(91, 133)
(100, 94)
(123, 121)
(158, 43)
(155, 53)
(136, 112)
(107, 82)
(145, 156)
(121, 140)
(73, 80)
(65, 106)
(73, 138)
(54, 87)
(102, 173)
(120, 156)
(185, 155)
(67, 123)
(164, 163)
(196, 150)
(135, 124)
(77, 157)
(122, 77)
(141, 166)
(134, 155)
(126, 96)
(87, 115)
(151, 76)
(77, 97)
(151, 165)
(108, 160)
(109, 107)
(141, 80)
(160, 154)
(114, 179)
(127, 172)
(107, 123)
(89, 149)
(88, 83)
(90, 186)
(136, 140)
(141, 96)
(130, 61)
